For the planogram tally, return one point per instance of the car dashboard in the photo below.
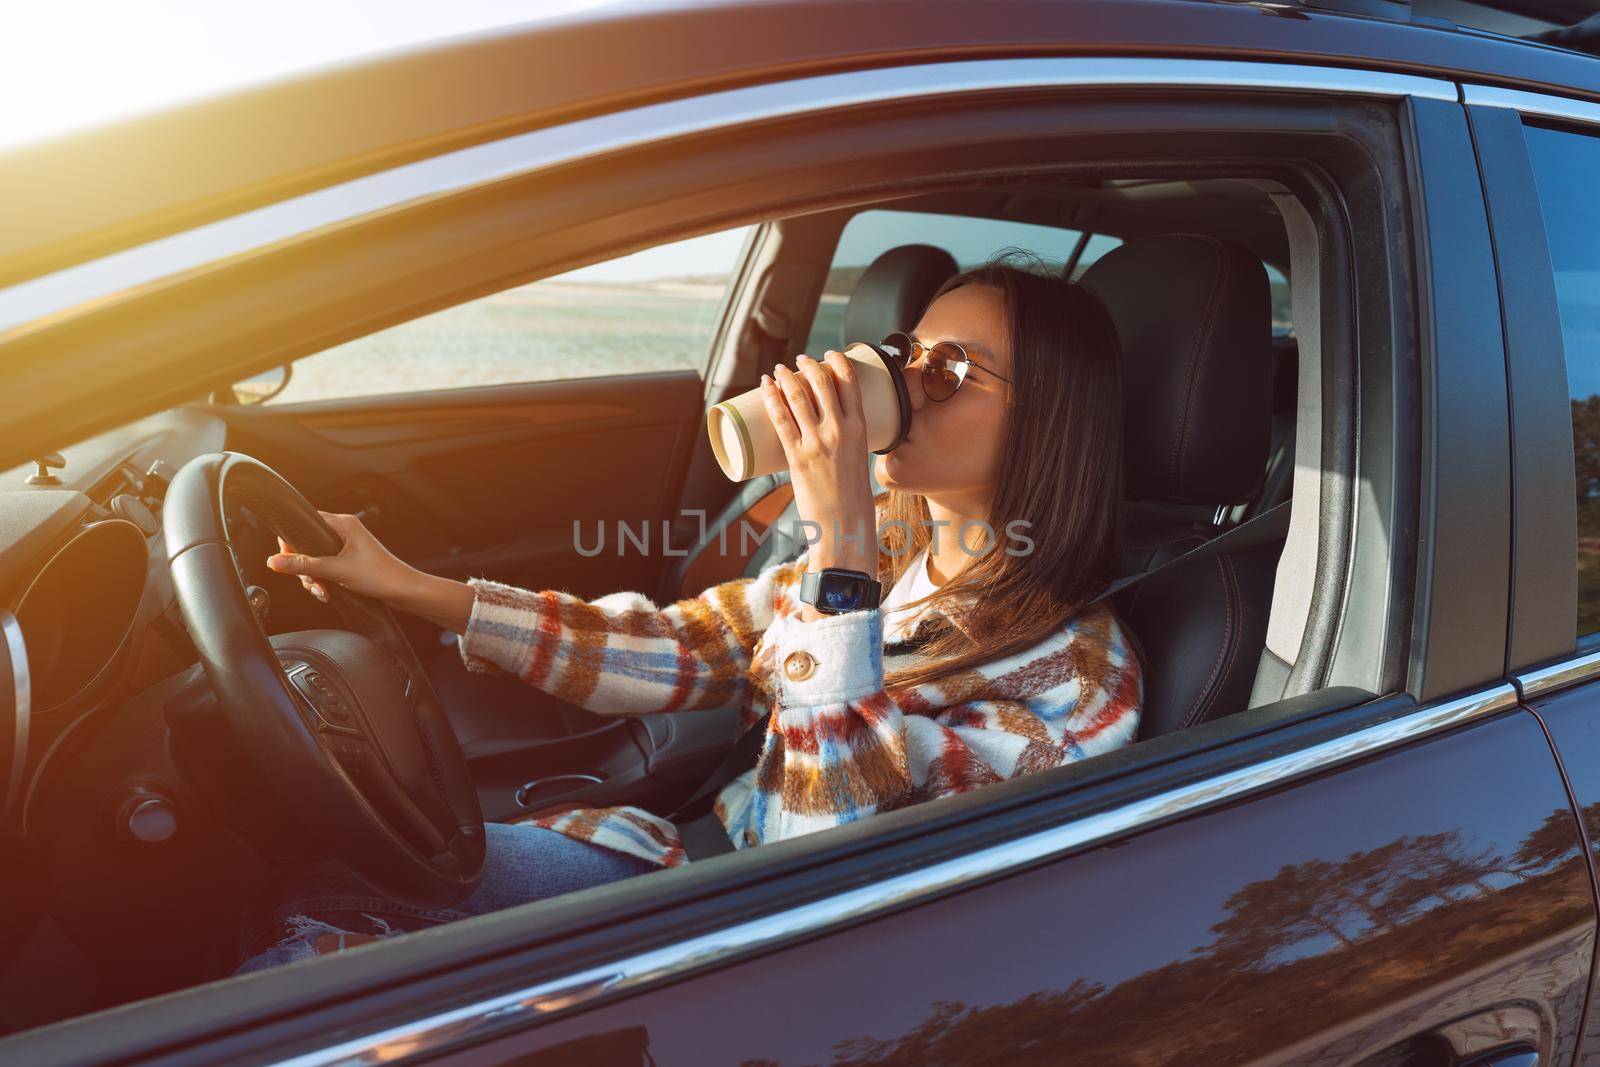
(83, 577)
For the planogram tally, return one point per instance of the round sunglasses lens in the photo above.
(940, 384)
(900, 349)
(942, 372)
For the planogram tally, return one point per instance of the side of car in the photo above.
(1317, 875)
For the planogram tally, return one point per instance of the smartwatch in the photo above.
(834, 590)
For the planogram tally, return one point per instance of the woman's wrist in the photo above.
(846, 543)
(444, 602)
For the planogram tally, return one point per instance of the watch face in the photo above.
(842, 594)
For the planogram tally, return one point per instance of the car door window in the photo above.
(653, 310)
(969, 239)
(1564, 166)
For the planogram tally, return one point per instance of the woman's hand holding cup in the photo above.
(817, 414)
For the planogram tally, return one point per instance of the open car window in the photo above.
(653, 310)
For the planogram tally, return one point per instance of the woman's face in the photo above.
(952, 452)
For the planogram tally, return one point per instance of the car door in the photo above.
(485, 437)
(1538, 155)
(539, 434)
(1383, 866)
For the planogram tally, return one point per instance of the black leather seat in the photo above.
(1194, 317)
(891, 295)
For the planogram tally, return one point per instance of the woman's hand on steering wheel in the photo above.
(363, 565)
(364, 760)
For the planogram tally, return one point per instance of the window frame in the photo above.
(411, 978)
(1543, 649)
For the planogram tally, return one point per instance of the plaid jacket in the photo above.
(838, 747)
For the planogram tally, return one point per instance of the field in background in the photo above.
(538, 332)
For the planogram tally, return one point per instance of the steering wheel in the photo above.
(343, 723)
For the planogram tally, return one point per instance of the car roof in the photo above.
(107, 188)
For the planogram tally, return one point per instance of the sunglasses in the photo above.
(944, 366)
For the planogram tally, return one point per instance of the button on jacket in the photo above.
(839, 746)
(798, 665)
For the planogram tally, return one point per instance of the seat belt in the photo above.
(1270, 525)
(699, 830)
(702, 834)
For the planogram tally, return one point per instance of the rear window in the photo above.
(970, 240)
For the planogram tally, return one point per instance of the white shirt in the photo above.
(914, 583)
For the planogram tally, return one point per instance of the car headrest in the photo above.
(894, 291)
(1194, 316)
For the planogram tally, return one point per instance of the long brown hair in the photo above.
(1060, 479)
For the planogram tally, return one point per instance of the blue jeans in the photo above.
(522, 863)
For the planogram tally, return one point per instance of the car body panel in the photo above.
(1574, 727)
(1325, 922)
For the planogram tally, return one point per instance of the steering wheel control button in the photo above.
(260, 601)
(333, 711)
(352, 755)
(337, 719)
(798, 666)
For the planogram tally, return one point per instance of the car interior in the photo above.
(1212, 284)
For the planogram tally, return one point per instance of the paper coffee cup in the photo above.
(746, 445)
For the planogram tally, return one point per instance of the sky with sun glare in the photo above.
(67, 64)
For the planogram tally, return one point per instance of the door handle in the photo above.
(529, 793)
